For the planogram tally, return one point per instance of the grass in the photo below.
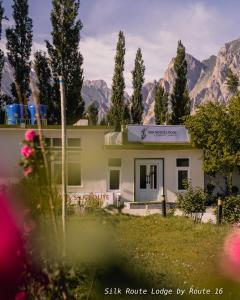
(153, 252)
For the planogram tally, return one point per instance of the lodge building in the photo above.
(142, 163)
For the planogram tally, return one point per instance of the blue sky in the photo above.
(154, 25)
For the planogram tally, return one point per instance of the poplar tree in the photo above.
(116, 113)
(65, 57)
(92, 114)
(19, 44)
(138, 80)
(45, 85)
(180, 100)
(161, 105)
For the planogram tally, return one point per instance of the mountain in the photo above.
(92, 91)
(205, 81)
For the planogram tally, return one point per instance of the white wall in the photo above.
(94, 161)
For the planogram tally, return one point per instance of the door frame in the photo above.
(148, 158)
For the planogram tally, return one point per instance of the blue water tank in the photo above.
(13, 112)
(32, 112)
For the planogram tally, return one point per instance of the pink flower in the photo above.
(231, 256)
(21, 296)
(30, 135)
(12, 255)
(26, 151)
(27, 171)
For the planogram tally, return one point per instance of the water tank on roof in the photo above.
(13, 112)
(32, 112)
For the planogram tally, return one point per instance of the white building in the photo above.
(141, 164)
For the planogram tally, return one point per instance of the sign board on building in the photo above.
(158, 134)
(81, 198)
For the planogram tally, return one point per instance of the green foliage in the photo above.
(192, 202)
(126, 114)
(103, 121)
(232, 82)
(161, 105)
(231, 210)
(65, 58)
(179, 98)
(92, 114)
(215, 128)
(138, 80)
(116, 113)
(44, 83)
(19, 44)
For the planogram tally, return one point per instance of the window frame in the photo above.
(108, 178)
(75, 147)
(182, 169)
(68, 161)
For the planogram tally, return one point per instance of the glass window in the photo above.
(143, 176)
(47, 142)
(74, 173)
(57, 142)
(182, 162)
(74, 142)
(114, 162)
(114, 179)
(182, 179)
(153, 176)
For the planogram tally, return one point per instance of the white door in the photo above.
(148, 179)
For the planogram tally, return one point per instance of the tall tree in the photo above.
(65, 57)
(92, 114)
(126, 113)
(45, 85)
(138, 80)
(161, 105)
(19, 44)
(232, 82)
(215, 128)
(116, 113)
(180, 101)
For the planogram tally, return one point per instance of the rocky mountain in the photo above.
(205, 80)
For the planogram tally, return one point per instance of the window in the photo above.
(182, 162)
(182, 178)
(143, 176)
(114, 183)
(57, 142)
(74, 142)
(47, 142)
(114, 165)
(182, 165)
(74, 174)
(114, 162)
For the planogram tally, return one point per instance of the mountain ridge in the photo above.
(205, 81)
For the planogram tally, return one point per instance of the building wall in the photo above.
(170, 171)
(94, 162)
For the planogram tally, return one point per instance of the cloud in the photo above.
(195, 24)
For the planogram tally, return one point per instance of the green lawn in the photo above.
(149, 252)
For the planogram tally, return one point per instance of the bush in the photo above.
(192, 202)
(231, 210)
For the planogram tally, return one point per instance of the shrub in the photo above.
(192, 202)
(231, 210)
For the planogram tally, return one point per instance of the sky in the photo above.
(153, 25)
